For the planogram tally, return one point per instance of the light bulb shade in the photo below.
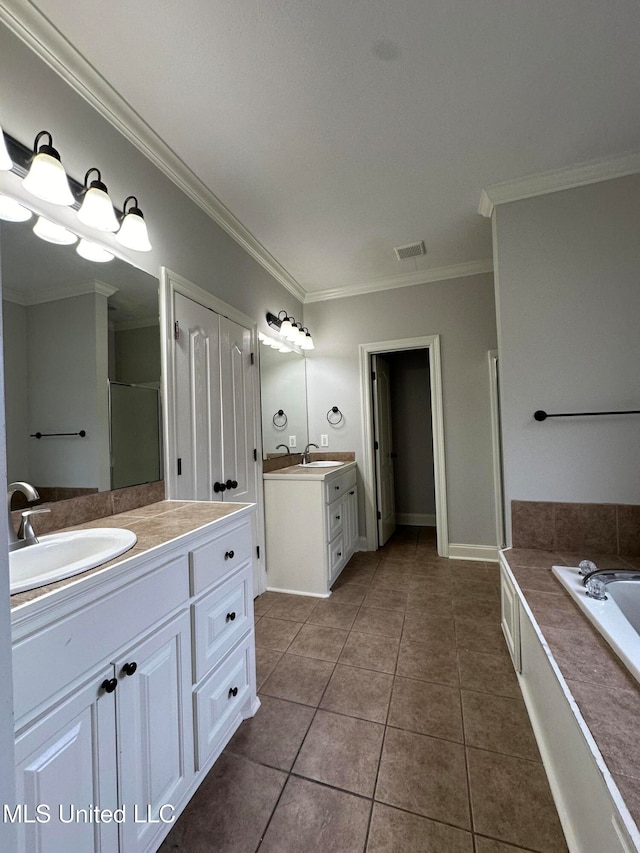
(6, 163)
(299, 334)
(307, 342)
(133, 231)
(92, 252)
(47, 178)
(11, 211)
(53, 233)
(286, 327)
(97, 211)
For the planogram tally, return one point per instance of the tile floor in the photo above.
(391, 722)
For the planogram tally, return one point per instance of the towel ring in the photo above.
(331, 416)
(281, 421)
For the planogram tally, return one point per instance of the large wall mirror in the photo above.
(81, 354)
(283, 389)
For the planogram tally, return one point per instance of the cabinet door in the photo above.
(510, 618)
(238, 415)
(66, 762)
(351, 521)
(155, 730)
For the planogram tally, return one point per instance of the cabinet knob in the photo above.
(231, 616)
(219, 487)
(233, 691)
(337, 518)
(229, 555)
(352, 492)
(231, 484)
(337, 488)
(339, 553)
(129, 668)
(109, 685)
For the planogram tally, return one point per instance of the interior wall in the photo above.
(462, 312)
(15, 385)
(412, 435)
(568, 304)
(137, 355)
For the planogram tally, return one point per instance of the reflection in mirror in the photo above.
(81, 352)
(283, 388)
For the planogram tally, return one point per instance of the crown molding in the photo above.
(557, 180)
(407, 280)
(55, 293)
(39, 34)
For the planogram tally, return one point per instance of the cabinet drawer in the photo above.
(222, 554)
(219, 700)
(60, 653)
(336, 486)
(220, 619)
(336, 558)
(335, 519)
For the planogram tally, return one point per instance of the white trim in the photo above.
(416, 519)
(38, 33)
(496, 445)
(483, 553)
(557, 180)
(57, 293)
(297, 592)
(407, 280)
(432, 343)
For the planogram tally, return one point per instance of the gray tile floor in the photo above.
(391, 721)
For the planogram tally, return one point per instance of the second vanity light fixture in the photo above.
(46, 179)
(291, 330)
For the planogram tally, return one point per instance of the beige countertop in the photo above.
(304, 472)
(606, 694)
(154, 525)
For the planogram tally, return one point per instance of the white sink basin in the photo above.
(324, 463)
(62, 555)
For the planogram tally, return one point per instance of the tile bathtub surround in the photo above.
(576, 527)
(393, 715)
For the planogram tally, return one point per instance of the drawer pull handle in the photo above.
(129, 668)
(231, 616)
(233, 691)
(109, 685)
(229, 555)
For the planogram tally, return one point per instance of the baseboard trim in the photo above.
(483, 553)
(416, 519)
(297, 592)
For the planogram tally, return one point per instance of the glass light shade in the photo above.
(307, 342)
(5, 161)
(47, 180)
(53, 233)
(11, 211)
(93, 252)
(299, 334)
(133, 232)
(97, 211)
(286, 328)
(284, 348)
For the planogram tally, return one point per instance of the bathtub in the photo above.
(617, 618)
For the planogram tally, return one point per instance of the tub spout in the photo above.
(595, 582)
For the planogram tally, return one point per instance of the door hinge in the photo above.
(255, 455)
(258, 551)
(176, 330)
(253, 359)
(375, 445)
(373, 376)
(179, 466)
(379, 514)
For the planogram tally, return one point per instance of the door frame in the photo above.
(170, 284)
(496, 445)
(431, 343)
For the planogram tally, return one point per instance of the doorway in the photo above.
(382, 402)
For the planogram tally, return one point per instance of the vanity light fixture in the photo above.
(12, 211)
(97, 211)
(133, 231)
(47, 178)
(92, 252)
(291, 330)
(53, 233)
(6, 163)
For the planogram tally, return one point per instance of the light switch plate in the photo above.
(324, 441)
(292, 441)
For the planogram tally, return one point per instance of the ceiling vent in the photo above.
(411, 250)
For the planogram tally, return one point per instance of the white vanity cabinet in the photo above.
(311, 526)
(108, 685)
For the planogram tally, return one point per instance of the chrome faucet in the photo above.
(597, 580)
(305, 452)
(25, 535)
(286, 449)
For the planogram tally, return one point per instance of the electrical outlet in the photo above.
(324, 441)
(292, 441)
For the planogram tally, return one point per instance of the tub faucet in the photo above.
(596, 581)
(305, 452)
(31, 494)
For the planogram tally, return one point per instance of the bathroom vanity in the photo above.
(131, 679)
(311, 517)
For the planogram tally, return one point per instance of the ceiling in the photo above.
(336, 130)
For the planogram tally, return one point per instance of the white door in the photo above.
(383, 444)
(197, 382)
(238, 416)
(65, 762)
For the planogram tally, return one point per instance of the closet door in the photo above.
(197, 383)
(238, 415)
